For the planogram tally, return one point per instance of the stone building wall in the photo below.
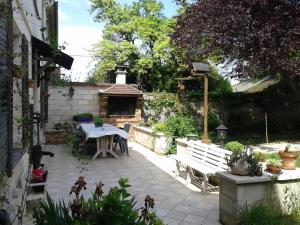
(62, 107)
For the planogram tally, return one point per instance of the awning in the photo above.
(47, 51)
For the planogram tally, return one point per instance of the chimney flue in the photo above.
(121, 76)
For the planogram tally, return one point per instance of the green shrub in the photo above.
(234, 146)
(159, 127)
(173, 149)
(115, 208)
(213, 121)
(83, 116)
(179, 126)
(260, 156)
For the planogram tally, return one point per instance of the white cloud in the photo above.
(79, 39)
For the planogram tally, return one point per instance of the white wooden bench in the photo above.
(206, 159)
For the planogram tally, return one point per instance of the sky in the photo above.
(78, 33)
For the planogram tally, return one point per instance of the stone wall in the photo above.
(156, 142)
(62, 107)
(238, 191)
(244, 113)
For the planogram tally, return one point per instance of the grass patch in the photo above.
(262, 214)
(254, 139)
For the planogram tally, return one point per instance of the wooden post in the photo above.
(205, 139)
(266, 120)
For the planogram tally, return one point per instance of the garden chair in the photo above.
(78, 133)
(122, 141)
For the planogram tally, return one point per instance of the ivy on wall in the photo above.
(160, 105)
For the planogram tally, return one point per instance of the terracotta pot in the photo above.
(273, 169)
(288, 159)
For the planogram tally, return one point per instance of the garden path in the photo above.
(148, 173)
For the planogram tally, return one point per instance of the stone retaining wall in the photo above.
(56, 137)
(156, 142)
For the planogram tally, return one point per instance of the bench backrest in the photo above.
(209, 155)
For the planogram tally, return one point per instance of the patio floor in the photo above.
(148, 173)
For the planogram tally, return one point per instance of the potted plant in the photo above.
(243, 163)
(288, 158)
(274, 166)
(98, 122)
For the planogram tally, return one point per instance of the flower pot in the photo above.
(98, 124)
(241, 168)
(39, 186)
(273, 169)
(288, 159)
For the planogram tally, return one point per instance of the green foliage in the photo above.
(173, 149)
(245, 158)
(53, 213)
(213, 121)
(83, 116)
(234, 146)
(274, 162)
(260, 156)
(159, 127)
(117, 207)
(159, 104)
(265, 214)
(137, 35)
(179, 126)
(213, 136)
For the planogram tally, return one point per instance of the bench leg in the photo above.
(189, 175)
(177, 170)
(204, 187)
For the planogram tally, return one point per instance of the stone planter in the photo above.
(241, 168)
(288, 159)
(237, 191)
(156, 142)
(56, 137)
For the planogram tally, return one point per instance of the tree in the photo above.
(137, 35)
(258, 37)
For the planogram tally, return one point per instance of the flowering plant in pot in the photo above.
(288, 158)
(274, 166)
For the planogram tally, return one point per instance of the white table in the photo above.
(104, 136)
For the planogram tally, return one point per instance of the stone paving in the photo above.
(148, 173)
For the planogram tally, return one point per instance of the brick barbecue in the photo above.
(121, 102)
